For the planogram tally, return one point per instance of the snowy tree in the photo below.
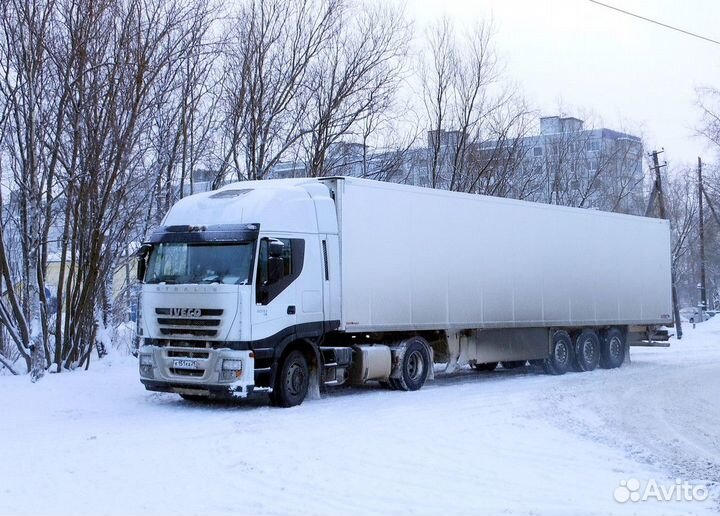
(81, 84)
(464, 90)
(356, 75)
(271, 48)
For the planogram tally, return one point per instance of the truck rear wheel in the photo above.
(415, 366)
(612, 349)
(587, 351)
(561, 354)
(292, 382)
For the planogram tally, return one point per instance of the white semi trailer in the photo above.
(282, 286)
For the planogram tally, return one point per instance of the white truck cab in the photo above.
(230, 280)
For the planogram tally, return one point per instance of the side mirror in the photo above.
(141, 268)
(275, 248)
(276, 265)
(141, 261)
(276, 269)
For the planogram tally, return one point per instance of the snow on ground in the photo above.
(508, 442)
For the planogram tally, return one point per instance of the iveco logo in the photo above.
(185, 312)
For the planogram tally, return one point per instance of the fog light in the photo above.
(146, 371)
(146, 360)
(232, 365)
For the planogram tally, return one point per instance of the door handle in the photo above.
(291, 310)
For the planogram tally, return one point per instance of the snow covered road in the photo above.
(508, 442)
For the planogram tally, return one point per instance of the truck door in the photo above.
(276, 302)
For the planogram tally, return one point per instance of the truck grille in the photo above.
(176, 353)
(206, 324)
(195, 373)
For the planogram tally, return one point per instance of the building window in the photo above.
(594, 145)
(537, 151)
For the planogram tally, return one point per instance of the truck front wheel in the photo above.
(293, 379)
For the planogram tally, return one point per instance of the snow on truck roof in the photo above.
(285, 205)
(240, 201)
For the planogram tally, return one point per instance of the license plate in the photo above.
(185, 364)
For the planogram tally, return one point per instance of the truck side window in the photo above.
(293, 257)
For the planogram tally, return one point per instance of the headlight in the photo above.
(232, 365)
(146, 366)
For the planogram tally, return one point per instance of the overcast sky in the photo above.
(630, 74)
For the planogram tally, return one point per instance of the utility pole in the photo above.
(657, 195)
(701, 227)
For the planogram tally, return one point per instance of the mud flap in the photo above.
(431, 354)
(627, 354)
(313, 392)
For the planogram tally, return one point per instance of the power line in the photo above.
(671, 27)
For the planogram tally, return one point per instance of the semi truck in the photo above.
(282, 287)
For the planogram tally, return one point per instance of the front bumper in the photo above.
(197, 371)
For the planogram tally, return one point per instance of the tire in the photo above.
(612, 349)
(292, 382)
(514, 364)
(587, 351)
(561, 354)
(415, 366)
(488, 366)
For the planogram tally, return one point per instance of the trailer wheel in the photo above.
(415, 366)
(587, 351)
(292, 382)
(488, 366)
(561, 354)
(612, 349)
(514, 364)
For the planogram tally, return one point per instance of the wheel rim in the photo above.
(588, 351)
(561, 352)
(615, 348)
(295, 379)
(415, 365)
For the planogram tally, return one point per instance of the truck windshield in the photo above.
(200, 263)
